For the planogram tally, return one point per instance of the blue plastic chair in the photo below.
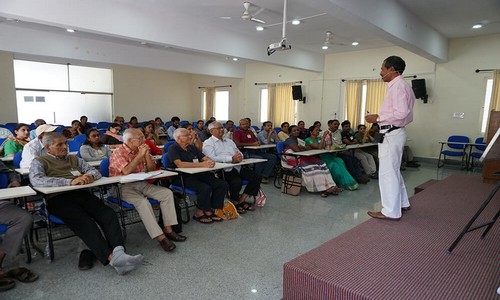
(456, 150)
(183, 122)
(74, 145)
(122, 204)
(481, 148)
(17, 159)
(103, 125)
(80, 138)
(280, 147)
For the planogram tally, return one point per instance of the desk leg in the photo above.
(439, 159)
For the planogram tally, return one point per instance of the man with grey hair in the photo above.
(224, 150)
(80, 210)
(132, 157)
(210, 191)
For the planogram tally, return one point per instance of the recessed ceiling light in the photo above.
(225, 18)
(259, 28)
(70, 30)
(144, 43)
(296, 22)
(324, 47)
(355, 43)
(235, 59)
(477, 26)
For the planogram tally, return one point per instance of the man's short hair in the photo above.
(345, 123)
(39, 122)
(114, 125)
(229, 121)
(212, 125)
(173, 119)
(118, 119)
(49, 137)
(130, 133)
(266, 122)
(83, 117)
(396, 62)
(180, 131)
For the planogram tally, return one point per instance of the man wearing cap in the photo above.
(35, 148)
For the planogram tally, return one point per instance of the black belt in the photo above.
(392, 127)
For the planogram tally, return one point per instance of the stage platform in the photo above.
(408, 259)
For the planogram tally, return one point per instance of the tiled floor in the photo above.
(237, 259)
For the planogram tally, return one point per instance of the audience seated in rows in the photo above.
(283, 134)
(245, 137)
(18, 222)
(93, 149)
(367, 161)
(84, 124)
(35, 147)
(335, 164)
(132, 157)
(175, 124)
(210, 191)
(220, 149)
(16, 144)
(315, 174)
(80, 210)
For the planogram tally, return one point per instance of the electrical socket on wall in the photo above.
(458, 115)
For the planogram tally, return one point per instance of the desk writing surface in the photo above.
(219, 166)
(95, 163)
(146, 176)
(16, 192)
(23, 171)
(264, 146)
(309, 152)
(8, 158)
(66, 188)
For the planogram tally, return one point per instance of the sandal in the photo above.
(324, 194)
(247, 206)
(214, 217)
(203, 219)
(335, 190)
(240, 209)
(22, 274)
(6, 283)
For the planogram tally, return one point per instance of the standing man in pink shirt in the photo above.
(395, 113)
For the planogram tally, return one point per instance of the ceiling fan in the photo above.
(248, 16)
(329, 41)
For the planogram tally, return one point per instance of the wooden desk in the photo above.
(16, 192)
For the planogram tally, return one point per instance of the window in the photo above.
(221, 111)
(487, 104)
(264, 105)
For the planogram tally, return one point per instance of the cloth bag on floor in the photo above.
(261, 199)
(291, 185)
(228, 211)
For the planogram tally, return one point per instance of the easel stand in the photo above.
(469, 227)
(491, 153)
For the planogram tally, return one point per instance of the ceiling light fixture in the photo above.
(235, 59)
(477, 26)
(70, 30)
(259, 28)
(144, 43)
(296, 22)
(324, 47)
(355, 43)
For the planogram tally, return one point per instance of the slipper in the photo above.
(203, 219)
(247, 206)
(324, 194)
(335, 190)
(240, 209)
(214, 218)
(6, 283)
(22, 274)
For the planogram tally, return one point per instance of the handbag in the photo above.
(261, 199)
(291, 185)
(228, 211)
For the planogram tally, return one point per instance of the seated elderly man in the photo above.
(224, 150)
(82, 211)
(245, 137)
(35, 148)
(132, 157)
(18, 223)
(210, 190)
(267, 135)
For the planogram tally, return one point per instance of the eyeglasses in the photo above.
(218, 128)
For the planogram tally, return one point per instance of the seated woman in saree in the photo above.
(335, 164)
(315, 174)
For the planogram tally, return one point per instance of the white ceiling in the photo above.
(196, 27)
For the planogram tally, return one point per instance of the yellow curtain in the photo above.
(495, 93)
(375, 93)
(282, 105)
(209, 102)
(353, 100)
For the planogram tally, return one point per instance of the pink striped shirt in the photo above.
(397, 108)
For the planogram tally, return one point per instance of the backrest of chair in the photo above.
(80, 138)
(74, 145)
(164, 159)
(17, 159)
(480, 140)
(4, 180)
(104, 167)
(457, 139)
(3, 228)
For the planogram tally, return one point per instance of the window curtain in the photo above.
(375, 93)
(353, 99)
(282, 105)
(209, 102)
(495, 92)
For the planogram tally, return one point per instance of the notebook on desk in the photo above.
(139, 176)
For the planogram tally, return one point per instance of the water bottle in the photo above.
(328, 140)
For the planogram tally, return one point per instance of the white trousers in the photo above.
(392, 187)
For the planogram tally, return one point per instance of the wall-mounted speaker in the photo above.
(419, 89)
(297, 92)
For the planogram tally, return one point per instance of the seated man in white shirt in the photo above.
(267, 135)
(35, 148)
(221, 149)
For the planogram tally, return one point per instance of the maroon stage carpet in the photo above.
(408, 259)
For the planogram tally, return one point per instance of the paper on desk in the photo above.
(139, 176)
